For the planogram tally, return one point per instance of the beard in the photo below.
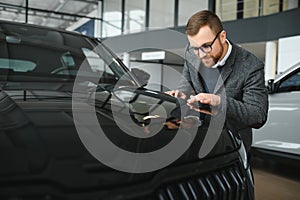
(211, 60)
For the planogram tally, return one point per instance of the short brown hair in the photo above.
(203, 18)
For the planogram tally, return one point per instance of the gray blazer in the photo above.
(242, 81)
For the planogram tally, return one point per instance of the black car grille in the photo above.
(226, 184)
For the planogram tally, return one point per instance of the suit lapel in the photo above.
(226, 70)
(200, 87)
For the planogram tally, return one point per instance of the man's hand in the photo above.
(205, 98)
(176, 93)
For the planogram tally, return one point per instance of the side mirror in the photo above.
(271, 86)
(142, 76)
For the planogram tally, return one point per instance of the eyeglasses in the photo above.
(206, 48)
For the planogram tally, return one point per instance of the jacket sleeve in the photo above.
(251, 109)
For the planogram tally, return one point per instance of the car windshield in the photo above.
(53, 59)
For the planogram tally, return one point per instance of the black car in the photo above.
(76, 124)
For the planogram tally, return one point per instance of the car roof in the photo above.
(287, 71)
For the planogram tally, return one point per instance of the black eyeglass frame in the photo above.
(208, 47)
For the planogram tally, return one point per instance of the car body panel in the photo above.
(281, 131)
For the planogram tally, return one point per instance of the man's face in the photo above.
(211, 43)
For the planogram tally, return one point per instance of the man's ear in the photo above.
(223, 36)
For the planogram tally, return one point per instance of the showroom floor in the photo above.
(276, 178)
(269, 186)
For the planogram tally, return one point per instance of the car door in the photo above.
(281, 132)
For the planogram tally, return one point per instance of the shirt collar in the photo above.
(222, 62)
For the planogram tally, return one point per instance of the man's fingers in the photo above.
(171, 92)
(202, 98)
(176, 94)
(194, 99)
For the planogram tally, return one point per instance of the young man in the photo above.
(224, 76)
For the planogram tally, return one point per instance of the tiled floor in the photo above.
(276, 177)
(269, 186)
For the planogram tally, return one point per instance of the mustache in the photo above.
(205, 56)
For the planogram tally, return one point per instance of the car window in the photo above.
(31, 54)
(290, 84)
(17, 65)
(97, 64)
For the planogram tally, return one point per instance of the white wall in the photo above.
(288, 52)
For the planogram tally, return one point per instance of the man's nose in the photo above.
(201, 54)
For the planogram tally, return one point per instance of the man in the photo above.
(224, 76)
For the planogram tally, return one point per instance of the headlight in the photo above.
(243, 155)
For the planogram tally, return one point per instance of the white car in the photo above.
(281, 133)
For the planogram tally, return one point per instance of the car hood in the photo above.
(39, 133)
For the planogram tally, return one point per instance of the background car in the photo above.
(279, 136)
(49, 77)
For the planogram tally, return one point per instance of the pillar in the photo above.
(270, 60)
